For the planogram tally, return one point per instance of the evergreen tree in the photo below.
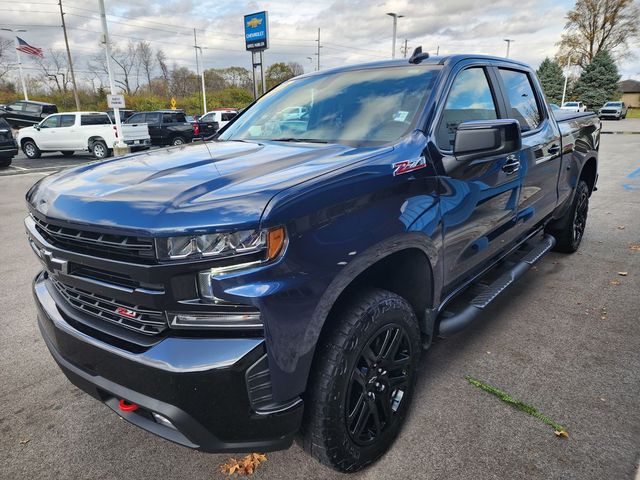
(552, 80)
(598, 82)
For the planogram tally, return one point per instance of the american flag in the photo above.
(24, 47)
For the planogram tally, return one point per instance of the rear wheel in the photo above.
(569, 237)
(177, 141)
(30, 149)
(67, 153)
(362, 381)
(100, 150)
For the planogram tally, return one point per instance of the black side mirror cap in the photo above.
(486, 138)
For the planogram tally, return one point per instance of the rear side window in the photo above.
(523, 104)
(227, 116)
(95, 119)
(180, 117)
(469, 99)
(67, 120)
(153, 118)
(49, 109)
(168, 118)
(32, 108)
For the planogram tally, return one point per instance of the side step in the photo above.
(453, 323)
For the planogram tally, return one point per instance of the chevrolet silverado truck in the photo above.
(79, 131)
(281, 282)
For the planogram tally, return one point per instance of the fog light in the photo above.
(162, 420)
(234, 317)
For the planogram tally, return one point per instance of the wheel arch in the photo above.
(25, 139)
(93, 139)
(589, 173)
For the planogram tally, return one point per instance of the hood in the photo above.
(185, 189)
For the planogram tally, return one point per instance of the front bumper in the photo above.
(199, 384)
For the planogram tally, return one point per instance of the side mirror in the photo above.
(37, 126)
(486, 138)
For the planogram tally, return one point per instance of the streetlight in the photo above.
(204, 93)
(508, 40)
(395, 28)
(15, 40)
(311, 60)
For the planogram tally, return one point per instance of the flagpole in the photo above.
(15, 42)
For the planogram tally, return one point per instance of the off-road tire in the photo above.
(177, 141)
(30, 149)
(337, 378)
(569, 237)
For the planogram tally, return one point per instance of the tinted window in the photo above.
(50, 122)
(67, 120)
(207, 118)
(227, 116)
(180, 117)
(570, 104)
(16, 107)
(168, 118)
(153, 118)
(49, 109)
(470, 99)
(524, 106)
(137, 118)
(32, 108)
(364, 107)
(95, 119)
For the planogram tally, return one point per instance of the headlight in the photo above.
(222, 244)
(248, 319)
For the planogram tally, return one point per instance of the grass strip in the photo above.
(505, 397)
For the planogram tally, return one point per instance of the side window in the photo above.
(168, 118)
(180, 117)
(16, 106)
(524, 106)
(136, 118)
(95, 119)
(207, 118)
(32, 108)
(67, 120)
(470, 98)
(228, 116)
(153, 118)
(50, 122)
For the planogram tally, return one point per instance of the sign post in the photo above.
(256, 36)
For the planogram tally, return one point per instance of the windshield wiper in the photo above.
(300, 140)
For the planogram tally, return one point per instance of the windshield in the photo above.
(361, 107)
(612, 104)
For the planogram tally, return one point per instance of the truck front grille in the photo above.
(133, 317)
(98, 244)
(610, 111)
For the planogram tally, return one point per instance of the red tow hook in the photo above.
(126, 406)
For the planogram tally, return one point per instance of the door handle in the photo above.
(511, 165)
(554, 149)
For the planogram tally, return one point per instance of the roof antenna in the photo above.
(418, 55)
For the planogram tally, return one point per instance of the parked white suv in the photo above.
(574, 107)
(221, 115)
(79, 131)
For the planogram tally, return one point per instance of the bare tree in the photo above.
(596, 25)
(164, 69)
(296, 68)
(126, 67)
(6, 57)
(55, 69)
(147, 60)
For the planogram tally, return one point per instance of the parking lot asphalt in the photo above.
(565, 339)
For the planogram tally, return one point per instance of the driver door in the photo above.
(47, 137)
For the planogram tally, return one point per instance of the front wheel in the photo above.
(177, 141)
(362, 381)
(30, 149)
(569, 237)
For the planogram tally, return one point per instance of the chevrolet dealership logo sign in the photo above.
(256, 31)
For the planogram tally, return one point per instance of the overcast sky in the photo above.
(351, 31)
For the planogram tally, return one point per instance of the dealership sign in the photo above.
(256, 31)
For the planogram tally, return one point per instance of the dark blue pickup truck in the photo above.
(282, 280)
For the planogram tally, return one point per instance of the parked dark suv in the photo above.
(8, 146)
(25, 113)
(166, 127)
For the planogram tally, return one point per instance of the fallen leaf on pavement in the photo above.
(561, 434)
(622, 274)
(614, 282)
(25, 441)
(634, 247)
(620, 227)
(245, 466)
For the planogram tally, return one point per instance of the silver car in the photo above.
(615, 110)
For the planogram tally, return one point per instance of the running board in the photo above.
(452, 323)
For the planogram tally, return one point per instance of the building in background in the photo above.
(630, 93)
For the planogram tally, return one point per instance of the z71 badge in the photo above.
(407, 166)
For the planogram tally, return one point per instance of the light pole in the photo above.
(310, 60)
(204, 92)
(566, 77)
(508, 40)
(15, 40)
(395, 29)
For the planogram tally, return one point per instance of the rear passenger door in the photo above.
(156, 131)
(540, 157)
(478, 198)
